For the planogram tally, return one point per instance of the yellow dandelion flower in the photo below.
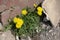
(35, 5)
(39, 13)
(19, 23)
(39, 9)
(24, 12)
(15, 20)
(18, 26)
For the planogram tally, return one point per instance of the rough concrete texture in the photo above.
(52, 7)
(6, 36)
(53, 34)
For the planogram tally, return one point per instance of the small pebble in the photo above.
(50, 30)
